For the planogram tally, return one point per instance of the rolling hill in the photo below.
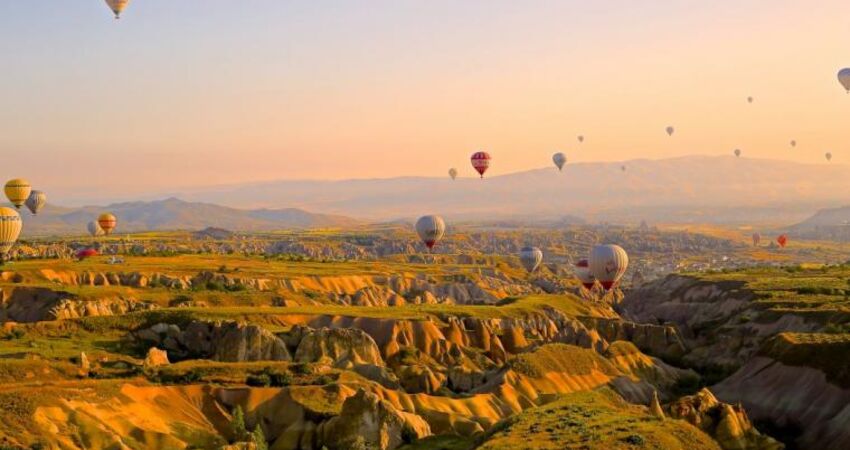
(175, 214)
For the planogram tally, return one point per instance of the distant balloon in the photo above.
(10, 229)
(559, 159)
(453, 173)
(608, 263)
(85, 253)
(36, 201)
(530, 257)
(94, 229)
(782, 240)
(756, 239)
(670, 131)
(107, 221)
(583, 274)
(481, 162)
(749, 99)
(828, 156)
(17, 191)
(793, 143)
(580, 139)
(623, 168)
(117, 6)
(430, 229)
(738, 152)
(844, 78)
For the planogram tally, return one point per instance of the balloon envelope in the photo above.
(530, 257)
(844, 78)
(608, 263)
(559, 159)
(828, 156)
(94, 229)
(793, 143)
(580, 138)
(117, 6)
(17, 191)
(481, 162)
(430, 229)
(10, 229)
(36, 201)
(107, 222)
(782, 240)
(670, 131)
(453, 173)
(738, 152)
(583, 274)
(756, 239)
(86, 253)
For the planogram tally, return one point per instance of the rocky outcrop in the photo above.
(221, 341)
(342, 347)
(369, 421)
(155, 358)
(658, 340)
(728, 424)
(33, 304)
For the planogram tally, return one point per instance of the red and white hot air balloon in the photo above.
(608, 263)
(582, 270)
(481, 162)
(430, 229)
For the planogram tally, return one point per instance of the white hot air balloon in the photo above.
(530, 257)
(453, 173)
(10, 229)
(828, 156)
(559, 159)
(608, 263)
(582, 271)
(738, 152)
(430, 229)
(94, 229)
(844, 78)
(36, 201)
(117, 6)
(670, 131)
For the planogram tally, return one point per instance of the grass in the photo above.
(824, 352)
(598, 419)
(561, 358)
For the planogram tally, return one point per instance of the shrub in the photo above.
(258, 380)
(237, 425)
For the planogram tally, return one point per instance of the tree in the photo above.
(237, 425)
(259, 438)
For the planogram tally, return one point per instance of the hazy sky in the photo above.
(198, 92)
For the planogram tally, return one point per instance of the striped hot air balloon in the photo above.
(430, 229)
(36, 201)
(107, 222)
(17, 191)
(530, 257)
(608, 263)
(480, 162)
(10, 229)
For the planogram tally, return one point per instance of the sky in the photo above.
(206, 92)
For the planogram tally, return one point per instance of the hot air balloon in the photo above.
(10, 229)
(749, 99)
(756, 239)
(559, 159)
(17, 191)
(608, 263)
(36, 201)
(844, 78)
(793, 143)
(530, 257)
(94, 229)
(481, 162)
(117, 6)
(738, 152)
(453, 173)
(583, 274)
(670, 131)
(828, 156)
(580, 139)
(623, 168)
(430, 229)
(85, 253)
(107, 222)
(782, 240)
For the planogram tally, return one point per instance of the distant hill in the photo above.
(693, 188)
(826, 224)
(175, 214)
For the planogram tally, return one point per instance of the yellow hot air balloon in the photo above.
(117, 6)
(17, 191)
(107, 222)
(10, 229)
